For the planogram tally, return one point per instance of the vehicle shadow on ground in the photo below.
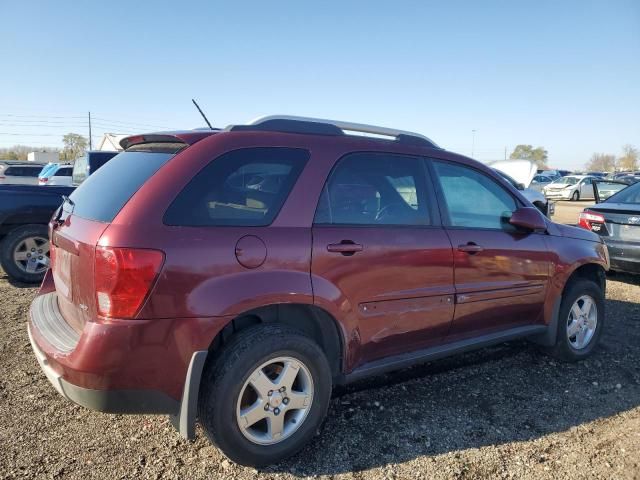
(509, 393)
(624, 278)
(15, 283)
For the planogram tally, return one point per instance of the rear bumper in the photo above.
(134, 366)
(624, 256)
(108, 401)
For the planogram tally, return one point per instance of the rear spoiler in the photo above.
(187, 137)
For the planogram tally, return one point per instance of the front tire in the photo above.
(580, 322)
(24, 253)
(576, 196)
(264, 396)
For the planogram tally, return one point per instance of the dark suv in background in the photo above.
(234, 276)
(25, 211)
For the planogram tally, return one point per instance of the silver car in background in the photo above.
(539, 182)
(19, 173)
(571, 187)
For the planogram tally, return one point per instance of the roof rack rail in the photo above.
(320, 126)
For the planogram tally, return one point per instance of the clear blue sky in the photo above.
(561, 74)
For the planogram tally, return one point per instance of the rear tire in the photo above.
(576, 196)
(15, 246)
(577, 335)
(256, 359)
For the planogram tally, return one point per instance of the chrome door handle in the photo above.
(470, 248)
(345, 247)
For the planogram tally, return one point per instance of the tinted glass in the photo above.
(80, 170)
(374, 189)
(630, 194)
(243, 187)
(64, 172)
(474, 200)
(32, 171)
(102, 195)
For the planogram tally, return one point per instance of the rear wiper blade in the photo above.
(68, 200)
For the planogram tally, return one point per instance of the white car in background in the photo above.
(56, 175)
(520, 174)
(571, 187)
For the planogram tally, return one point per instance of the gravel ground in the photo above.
(502, 412)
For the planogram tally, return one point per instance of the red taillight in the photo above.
(124, 277)
(44, 180)
(587, 218)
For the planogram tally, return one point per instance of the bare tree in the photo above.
(629, 158)
(20, 152)
(602, 162)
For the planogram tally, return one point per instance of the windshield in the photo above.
(567, 180)
(630, 195)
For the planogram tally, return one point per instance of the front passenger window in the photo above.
(474, 200)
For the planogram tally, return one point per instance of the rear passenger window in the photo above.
(474, 200)
(245, 187)
(64, 172)
(374, 189)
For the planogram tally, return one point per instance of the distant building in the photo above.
(43, 157)
(111, 142)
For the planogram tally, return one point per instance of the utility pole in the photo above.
(90, 145)
(505, 153)
(473, 142)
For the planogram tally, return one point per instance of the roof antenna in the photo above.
(202, 113)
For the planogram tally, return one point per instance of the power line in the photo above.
(37, 116)
(127, 123)
(31, 134)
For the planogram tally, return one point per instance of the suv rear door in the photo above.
(379, 249)
(501, 273)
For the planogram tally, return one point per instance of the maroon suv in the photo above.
(234, 276)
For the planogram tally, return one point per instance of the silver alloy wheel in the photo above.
(31, 255)
(582, 322)
(274, 401)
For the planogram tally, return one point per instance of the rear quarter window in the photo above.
(245, 187)
(103, 194)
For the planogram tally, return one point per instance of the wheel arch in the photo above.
(313, 321)
(589, 271)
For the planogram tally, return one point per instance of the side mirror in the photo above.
(529, 218)
(520, 186)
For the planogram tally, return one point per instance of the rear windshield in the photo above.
(26, 171)
(103, 194)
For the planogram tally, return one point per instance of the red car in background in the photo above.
(234, 276)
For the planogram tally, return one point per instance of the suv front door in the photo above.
(380, 253)
(501, 273)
